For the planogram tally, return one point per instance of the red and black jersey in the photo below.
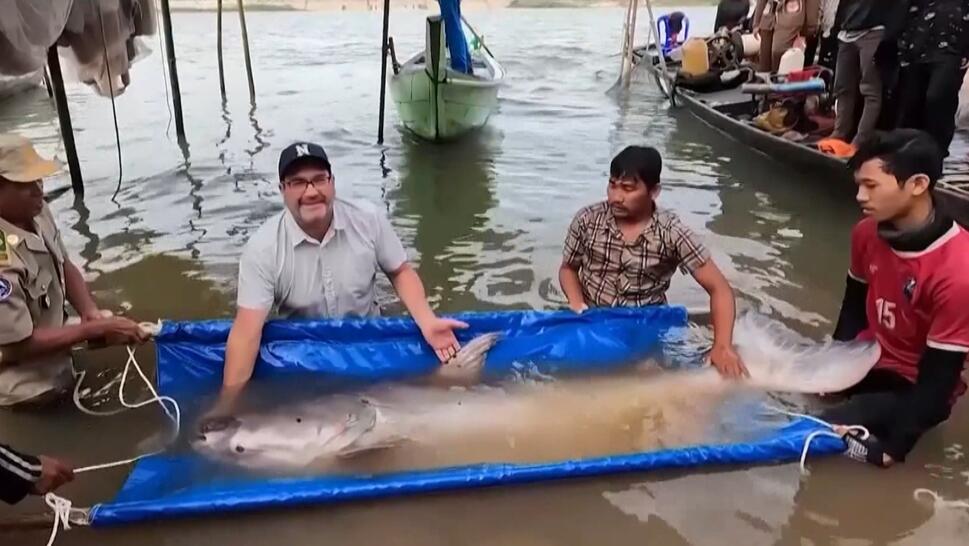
(915, 299)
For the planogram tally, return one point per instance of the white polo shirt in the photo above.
(285, 270)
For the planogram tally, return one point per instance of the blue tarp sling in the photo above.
(190, 358)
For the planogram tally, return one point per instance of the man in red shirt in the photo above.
(907, 288)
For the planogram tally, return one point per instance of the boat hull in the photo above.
(951, 193)
(437, 103)
(441, 110)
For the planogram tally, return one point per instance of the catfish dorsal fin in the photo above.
(466, 366)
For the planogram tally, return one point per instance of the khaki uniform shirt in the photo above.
(32, 296)
(764, 17)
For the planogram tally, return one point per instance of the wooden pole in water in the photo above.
(654, 33)
(64, 117)
(627, 74)
(50, 90)
(245, 50)
(172, 70)
(218, 48)
(624, 43)
(383, 71)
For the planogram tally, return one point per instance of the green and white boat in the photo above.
(438, 103)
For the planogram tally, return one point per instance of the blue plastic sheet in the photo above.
(190, 357)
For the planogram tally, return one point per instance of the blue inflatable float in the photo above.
(190, 357)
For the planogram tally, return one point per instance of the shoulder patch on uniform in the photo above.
(6, 288)
(4, 251)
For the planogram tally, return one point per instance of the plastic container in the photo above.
(791, 61)
(696, 60)
(751, 45)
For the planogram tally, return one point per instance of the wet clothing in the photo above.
(32, 295)
(908, 291)
(457, 44)
(284, 269)
(614, 273)
(18, 474)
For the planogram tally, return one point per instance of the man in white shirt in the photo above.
(319, 257)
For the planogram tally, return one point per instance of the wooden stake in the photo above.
(172, 69)
(218, 48)
(245, 50)
(64, 117)
(383, 71)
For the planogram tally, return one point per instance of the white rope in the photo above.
(938, 500)
(64, 515)
(818, 433)
(64, 512)
(174, 413)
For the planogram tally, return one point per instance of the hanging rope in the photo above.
(114, 111)
(164, 59)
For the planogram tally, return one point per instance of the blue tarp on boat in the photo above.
(190, 357)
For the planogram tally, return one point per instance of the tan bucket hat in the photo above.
(20, 162)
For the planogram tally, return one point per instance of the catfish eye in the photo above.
(240, 449)
(299, 420)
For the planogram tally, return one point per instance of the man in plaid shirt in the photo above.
(624, 251)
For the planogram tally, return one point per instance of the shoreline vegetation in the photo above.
(377, 5)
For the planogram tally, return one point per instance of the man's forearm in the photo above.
(227, 401)
(45, 342)
(241, 350)
(852, 320)
(78, 293)
(18, 474)
(722, 313)
(411, 292)
(571, 286)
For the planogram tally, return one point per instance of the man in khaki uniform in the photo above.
(36, 277)
(780, 23)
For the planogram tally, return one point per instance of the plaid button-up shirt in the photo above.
(615, 273)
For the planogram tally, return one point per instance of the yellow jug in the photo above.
(695, 58)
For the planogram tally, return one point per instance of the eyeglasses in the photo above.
(300, 184)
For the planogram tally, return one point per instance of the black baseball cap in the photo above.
(299, 150)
